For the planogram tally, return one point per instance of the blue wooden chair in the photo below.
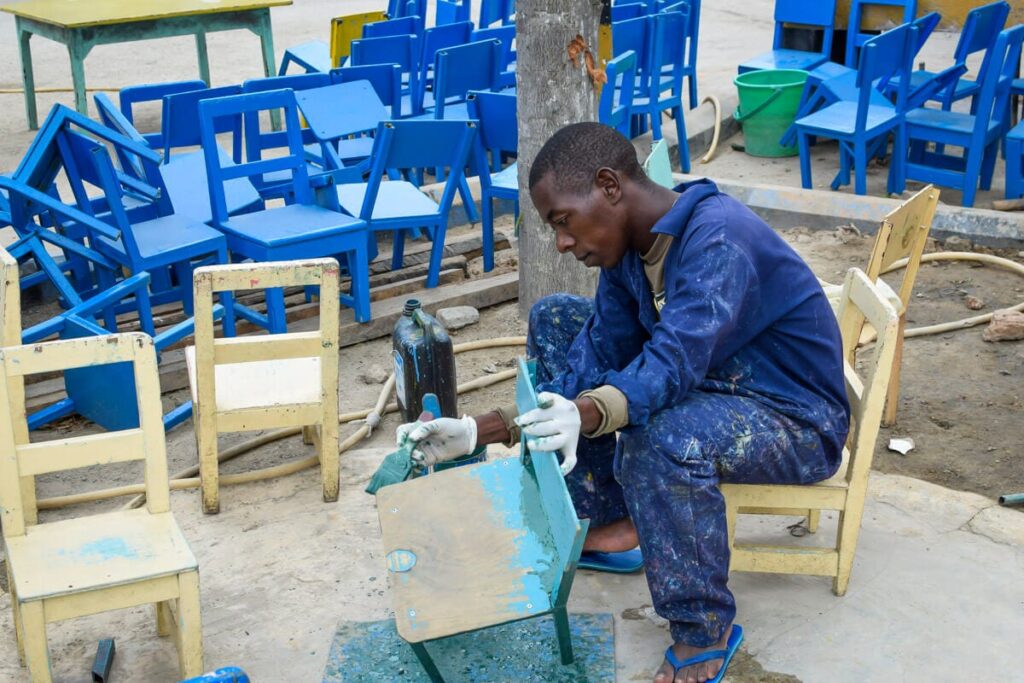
(451, 11)
(184, 174)
(498, 134)
(981, 27)
(301, 229)
(434, 39)
(401, 50)
(339, 115)
(507, 35)
(459, 69)
(855, 38)
(386, 80)
(668, 30)
(636, 36)
(978, 134)
(626, 11)
(401, 26)
(134, 95)
(180, 120)
(692, 10)
(860, 126)
(399, 206)
(494, 11)
(512, 554)
(615, 106)
(818, 14)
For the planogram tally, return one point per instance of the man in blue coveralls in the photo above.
(709, 348)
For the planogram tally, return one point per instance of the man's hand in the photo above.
(555, 426)
(439, 440)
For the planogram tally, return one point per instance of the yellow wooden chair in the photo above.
(266, 381)
(347, 28)
(902, 234)
(75, 567)
(846, 490)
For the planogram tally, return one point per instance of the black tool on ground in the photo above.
(104, 660)
(424, 363)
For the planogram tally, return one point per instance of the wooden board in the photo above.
(76, 13)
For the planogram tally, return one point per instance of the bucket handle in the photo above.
(756, 110)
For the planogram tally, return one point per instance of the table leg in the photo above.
(204, 58)
(77, 52)
(27, 78)
(266, 34)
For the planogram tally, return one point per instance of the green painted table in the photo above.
(83, 24)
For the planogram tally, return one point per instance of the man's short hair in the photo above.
(576, 152)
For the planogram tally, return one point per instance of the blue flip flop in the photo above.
(625, 562)
(735, 638)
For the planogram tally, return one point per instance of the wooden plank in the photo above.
(267, 347)
(778, 559)
(82, 451)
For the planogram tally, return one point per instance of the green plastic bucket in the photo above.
(768, 104)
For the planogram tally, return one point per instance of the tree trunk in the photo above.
(552, 93)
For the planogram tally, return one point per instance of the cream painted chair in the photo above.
(265, 381)
(81, 566)
(846, 490)
(903, 234)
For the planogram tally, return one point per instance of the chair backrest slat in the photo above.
(392, 27)
(461, 68)
(181, 120)
(132, 95)
(617, 93)
(882, 58)
(903, 234)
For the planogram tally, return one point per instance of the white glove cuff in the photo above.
(470, 425)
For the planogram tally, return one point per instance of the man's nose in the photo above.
(563, 242)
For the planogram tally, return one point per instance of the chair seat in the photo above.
(841, 118)
(844, 87)
(784, 59)
(100, 551)
(185, 177)
(824, 72)
(290, 224)
(259, 384)
(1017, 132)
(507, 178)
(355, 149)
(395, 199)
(165, 239)
(312, 56)
(948, 121)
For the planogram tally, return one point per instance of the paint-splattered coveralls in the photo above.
(738, 379)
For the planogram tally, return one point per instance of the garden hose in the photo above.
(718, 128)
(187, 479)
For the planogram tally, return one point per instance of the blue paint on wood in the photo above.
(104, 550)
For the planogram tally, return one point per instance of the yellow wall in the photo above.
(952, 11)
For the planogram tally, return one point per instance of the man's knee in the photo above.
(659, 453)
(557, 309)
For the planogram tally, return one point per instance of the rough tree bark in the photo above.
(552, 92)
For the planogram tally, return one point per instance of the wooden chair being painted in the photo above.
(481, 545)
(903, 234)
(861, 301)
(81, 566)
(266, 381)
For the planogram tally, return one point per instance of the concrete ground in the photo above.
(936, 591)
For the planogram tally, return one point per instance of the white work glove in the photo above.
(439, 440)
(554, 426)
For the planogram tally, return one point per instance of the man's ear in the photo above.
(609, 182)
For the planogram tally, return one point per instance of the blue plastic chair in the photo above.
(813, 13)
(615, 107)
(981, 27)
(978, 134)
(498, 134)
(386, 80)
(434, 39)
(451, 11)
(152, 92)
(301, 229)
(180, 120)
(494, 11)
(662, 92)
(399, 206)
(860, 126)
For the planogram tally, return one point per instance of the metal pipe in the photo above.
(1012, 499)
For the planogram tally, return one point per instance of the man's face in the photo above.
(592, 226)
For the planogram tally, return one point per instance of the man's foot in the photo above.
(612, 538)
(696, 673)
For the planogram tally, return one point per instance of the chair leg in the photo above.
(277, 319)
(805, 159)
(164, 619)
(206, 446)
(971, 171)
(397, 249)
(330, 460)
(28, 500)
(892, 394)
(684, 147)
(988, 165)
(436, 252)
(846, 545)
(564, 634)
(860, 167)
(813, 517)
(37, 654)
(189, 626)
(307, 435)
(467, 200)
(19, 634)
(427, 662)
(359, 267)
(487, 228)
(227, 300)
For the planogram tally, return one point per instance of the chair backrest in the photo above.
(861, 303)
(420, 143)
(903, 234)
(981, 26)
(617, 93)
(887, 55)
(181, 120)
(631, 10)
(321, 343)
(386, 80)
(668, 30)
(492, 11)
(152, 92)
(347, 28)
(459, 69)
(406, 8)
(258, 139)
(566, 529)
(816, 13)
(506, 34)
(144, 442)
(401, 50)
(636, 36)
(855, 38)
(496, 113)
(10, 299)
(248, 106)
(992, 105)
(391, 27)
(451, 11)
(114, 118)
(440, 37)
